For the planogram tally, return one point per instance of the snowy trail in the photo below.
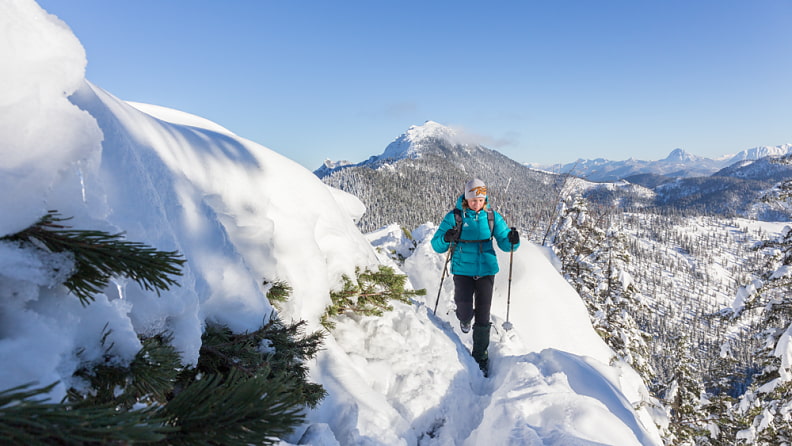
(471, 386)
(549, 385)
(436, 394)
(510, 363)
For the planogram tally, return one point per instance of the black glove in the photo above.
(514, 237)
(451, 235)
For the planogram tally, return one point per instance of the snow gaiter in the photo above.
(481, 337)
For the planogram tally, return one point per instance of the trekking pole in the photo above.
(508, 325)
(442, 277)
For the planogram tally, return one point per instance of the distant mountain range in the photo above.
(678, 164)
(419, 175)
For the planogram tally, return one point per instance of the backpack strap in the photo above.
(490, 220)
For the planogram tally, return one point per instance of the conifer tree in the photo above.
(766, 406)
(622, 302)
(718, 405)
(577, 240)
(683, 397)
(275, 350)
(594, 261)
(767, 403)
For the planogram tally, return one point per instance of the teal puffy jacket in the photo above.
(477, 258)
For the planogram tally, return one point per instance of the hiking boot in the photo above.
(464, 326)
(484, 366)
(480, 343)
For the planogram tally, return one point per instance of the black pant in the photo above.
(465, 288)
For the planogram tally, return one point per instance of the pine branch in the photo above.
(370, 294)
(224, 352)
(26, 419)
(98, 256)
(233, 410)
(149, 378)
(279, 291)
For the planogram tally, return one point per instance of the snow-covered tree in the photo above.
(683, 397)
(722, 391)
(621, 303)
(767, 404)
(577, 240)
(594, 261)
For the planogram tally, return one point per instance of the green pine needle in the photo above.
(370, 294)
(25, 418)
(98, 256)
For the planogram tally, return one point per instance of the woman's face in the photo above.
(476, 204)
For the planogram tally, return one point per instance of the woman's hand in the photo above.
(514, 236)
(451, 235)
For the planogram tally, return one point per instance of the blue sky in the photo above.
(540, 81)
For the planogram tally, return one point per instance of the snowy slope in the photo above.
(241, 214)
(227, 204)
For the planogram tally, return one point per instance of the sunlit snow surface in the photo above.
(242, 214)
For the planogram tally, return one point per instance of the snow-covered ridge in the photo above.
(179, 117)
(241, 213)
(761, 152)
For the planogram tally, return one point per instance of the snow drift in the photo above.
(242, 214)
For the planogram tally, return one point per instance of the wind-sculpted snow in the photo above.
(244, 216)
(44, 139)
(240, 214)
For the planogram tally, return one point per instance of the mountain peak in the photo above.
(429, 129)
(416, 138)
(679, 155)
(410, 144)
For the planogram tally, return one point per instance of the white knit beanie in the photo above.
(475, 188)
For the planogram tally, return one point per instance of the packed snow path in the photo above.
(415, 382)
(416, 373)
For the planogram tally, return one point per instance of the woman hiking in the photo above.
(469, 230)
